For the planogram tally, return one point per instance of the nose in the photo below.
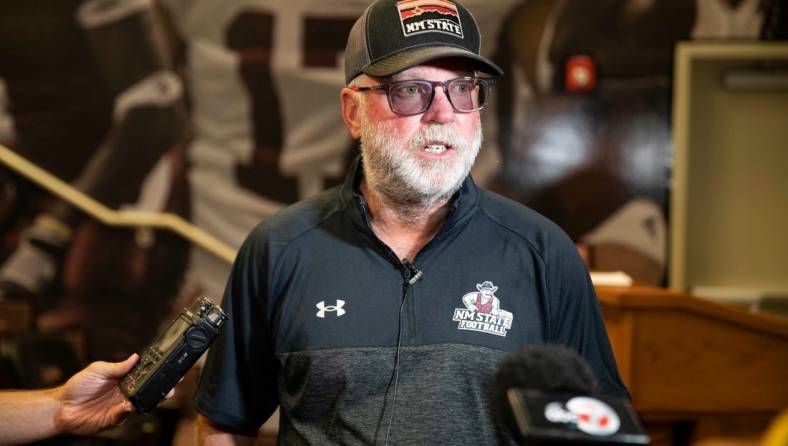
(441, 110)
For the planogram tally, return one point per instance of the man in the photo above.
(347, 311)
(87, 403)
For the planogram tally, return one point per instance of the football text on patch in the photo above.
(482, 311)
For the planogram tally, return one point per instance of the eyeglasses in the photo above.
(414, 96)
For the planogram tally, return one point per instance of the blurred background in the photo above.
(142, 139)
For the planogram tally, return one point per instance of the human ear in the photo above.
(351, 112)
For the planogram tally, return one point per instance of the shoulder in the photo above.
(540, 233)
(296, 220)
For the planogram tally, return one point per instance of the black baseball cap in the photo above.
(394, 35)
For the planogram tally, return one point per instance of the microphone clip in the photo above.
(411, 273)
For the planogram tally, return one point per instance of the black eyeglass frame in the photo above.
(487, 83)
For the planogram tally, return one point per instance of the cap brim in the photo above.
(407, 59)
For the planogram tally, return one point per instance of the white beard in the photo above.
(397, 172)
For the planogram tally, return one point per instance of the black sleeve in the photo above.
(238, 384)
(576, 318)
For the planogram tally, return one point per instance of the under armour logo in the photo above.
(323, 308)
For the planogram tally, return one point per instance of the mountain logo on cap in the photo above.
(428, 16)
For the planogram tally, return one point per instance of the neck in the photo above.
(404, 227)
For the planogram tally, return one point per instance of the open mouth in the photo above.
(436, 148)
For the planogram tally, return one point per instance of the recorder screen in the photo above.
(172, 335)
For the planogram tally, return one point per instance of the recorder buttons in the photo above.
(197, 338)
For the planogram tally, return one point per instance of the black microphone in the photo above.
(547, 395)
(413, 274)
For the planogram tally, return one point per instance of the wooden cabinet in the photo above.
(694, 363)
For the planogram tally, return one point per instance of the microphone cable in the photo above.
(396, 370)
(413, 276)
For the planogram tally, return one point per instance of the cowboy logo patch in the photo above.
(483, 311)
(424, 16)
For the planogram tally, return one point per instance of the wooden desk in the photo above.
(697, 366)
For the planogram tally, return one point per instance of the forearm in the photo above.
(210, 434)
(28, 415)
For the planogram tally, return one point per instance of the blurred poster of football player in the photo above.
(94, 101)
(585, 133)
(7, 187)
(775, 23)
(6, 123)
(262, 78)
(725, 19)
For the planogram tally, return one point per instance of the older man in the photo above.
(347, 310)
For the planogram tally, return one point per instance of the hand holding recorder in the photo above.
(173, 353)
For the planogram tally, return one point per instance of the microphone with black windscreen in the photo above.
(548, 395)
